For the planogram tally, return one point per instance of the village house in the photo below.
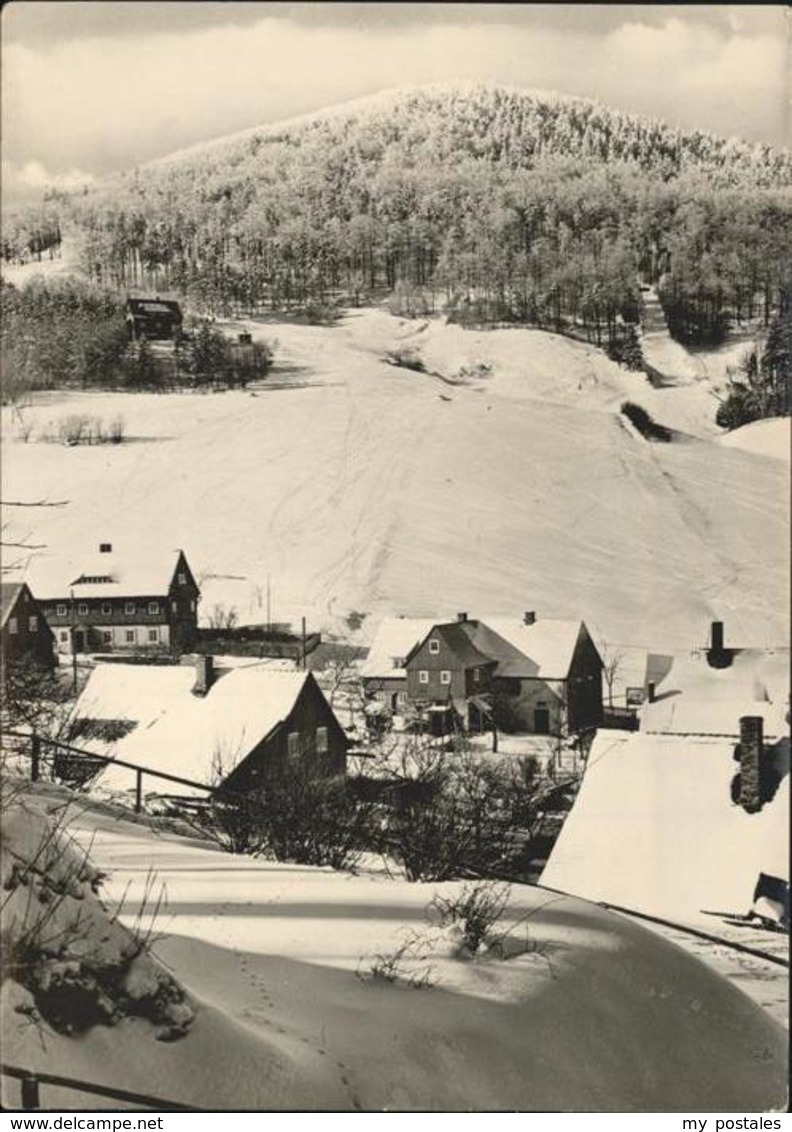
(230, 723)
(25, 633)
(529, 675)
(154, 319)
(144, 600)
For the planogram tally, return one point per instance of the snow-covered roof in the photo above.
(697, 699)
(654, 828)
(181, 733)
(394, 639)
(548, 643)
(136, 571)
(544, 648)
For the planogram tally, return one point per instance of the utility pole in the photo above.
(269, 605)
(73, 643)
(303, 642)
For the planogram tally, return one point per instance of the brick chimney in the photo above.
(750, 753)
(105, 548)
(717, 655)
(204, 675)
(529, 617)
(462, 617)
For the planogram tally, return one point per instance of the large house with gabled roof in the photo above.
(132, 601)
(524, 675)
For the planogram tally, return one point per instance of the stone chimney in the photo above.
(717, 655)
(529, 617)
(462, 617)
(204, 675)
(750, 753)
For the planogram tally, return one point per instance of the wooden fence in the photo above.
(32, 1080)
(42, 752)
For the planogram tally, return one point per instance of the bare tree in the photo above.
(612, 659)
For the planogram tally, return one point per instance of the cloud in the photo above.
(30, 180)
(109, 102)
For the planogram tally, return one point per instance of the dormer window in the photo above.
(434, 646)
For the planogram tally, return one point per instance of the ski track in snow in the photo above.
(362, 487)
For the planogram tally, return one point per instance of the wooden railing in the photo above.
(32, 1080)
(41, 750)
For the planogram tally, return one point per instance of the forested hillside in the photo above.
(501, 203)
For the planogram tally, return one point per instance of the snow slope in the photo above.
(766, 438)
(359, 485)
(598, 1014)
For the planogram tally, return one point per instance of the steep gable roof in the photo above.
(135, 572)
(178, 732)
(459, 637)
(548, 644)
(394, 640)
(543, 649)
(9, 593)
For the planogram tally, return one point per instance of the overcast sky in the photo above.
(91, 86)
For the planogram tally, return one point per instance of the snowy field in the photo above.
(357, 485)
(593, 1013)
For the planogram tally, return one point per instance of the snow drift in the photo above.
(593, 1014)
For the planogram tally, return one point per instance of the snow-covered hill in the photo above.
(358, 485)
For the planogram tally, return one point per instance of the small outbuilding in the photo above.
(153, 318)
(26, 636)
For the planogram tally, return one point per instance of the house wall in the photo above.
(183, 613)
(31, 636)
(386, 691)
(462, 683)
(584, 686)
(516, 701)
(272, 756)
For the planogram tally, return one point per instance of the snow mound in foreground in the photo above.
(593, 1014)
(68, 963)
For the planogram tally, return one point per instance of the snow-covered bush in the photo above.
(73, 963)
(474, 910)
(406, 357)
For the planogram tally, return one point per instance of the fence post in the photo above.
(138, 791)
(35, 758)
(30, 1092)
